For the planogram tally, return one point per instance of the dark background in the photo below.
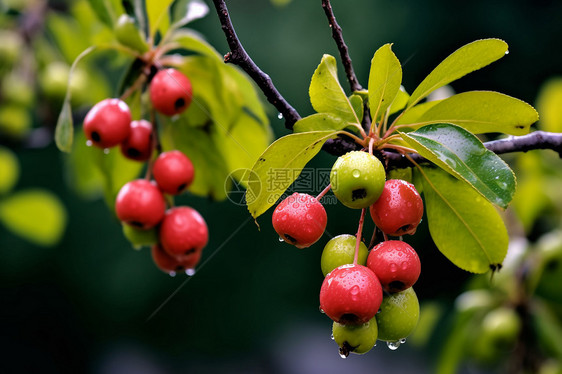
(94, 305)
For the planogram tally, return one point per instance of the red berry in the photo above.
(170, 92)
(173, 172)
(399, 209)
(351, 294)
(138, 146)
(169, 264)
(183, 231)
(108, 123)
(300, 220)
(396, 264)
(141, 204)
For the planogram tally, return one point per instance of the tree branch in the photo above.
(529, 142)
(342, 47)
(240, 57)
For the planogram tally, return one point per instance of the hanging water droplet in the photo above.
(321, 310)
(89, 143)
(281, 239)
(393, 345)
(506, 52)
(402, 341)
(280, 115)
(356, 173)
(172, 274)
(343, 355)
(332, 337)
(106, 151)
(190, 272)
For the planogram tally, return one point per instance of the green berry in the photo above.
(398, 315)
(9, 170)
(129, 35)
(357, 339)
(340, 251)
(15, 121)
(140, 238)
(498, 334)
(357, 179)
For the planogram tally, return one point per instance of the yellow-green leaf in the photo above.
(326, 93)
(36, 215)
(464, 60)
(288, 156)
(384, 80)
(157, 12)
(481, 112)
(465, 227)
(320, 122)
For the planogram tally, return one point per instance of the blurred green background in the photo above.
(92, 304)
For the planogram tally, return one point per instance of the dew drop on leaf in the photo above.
(280, 115)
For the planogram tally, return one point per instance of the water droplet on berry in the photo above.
(190, 272)
(404, 265)
(296, 205)
(321, 310)
(281, 239)
(309, 217)
(89, 143)
(506, 52)
(356, 173)
(393, 268)
(343, 355)
(106, 151)
(332, 337)
(280, 115)
(354, 290)
(284, 218)
(393, 345)
(402, 341)
(172, 274)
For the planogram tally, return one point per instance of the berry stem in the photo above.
(373, 238)
(156, 146)
(358, 237)
(133, 87)
(324, 192)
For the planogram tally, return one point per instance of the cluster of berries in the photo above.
(367, 294)
(177, 234)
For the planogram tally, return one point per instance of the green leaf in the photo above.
(482, 112)
(211, 169)
(464, 60)
(291, 152)
(548, 329)
(9, 170)
(463, 155)
(36, 215)
(320, 122)
(384, 80)
(326, 93)
(186, 11)
(548, 105)
(107, 10)
(157, 12)
(466, 228)
(193, 42)
(64, 131)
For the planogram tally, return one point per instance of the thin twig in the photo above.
(240, 57)
(342, 47)
(346, 59)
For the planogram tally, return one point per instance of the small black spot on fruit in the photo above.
(96, 137)
(359, 193)
(179, 103)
